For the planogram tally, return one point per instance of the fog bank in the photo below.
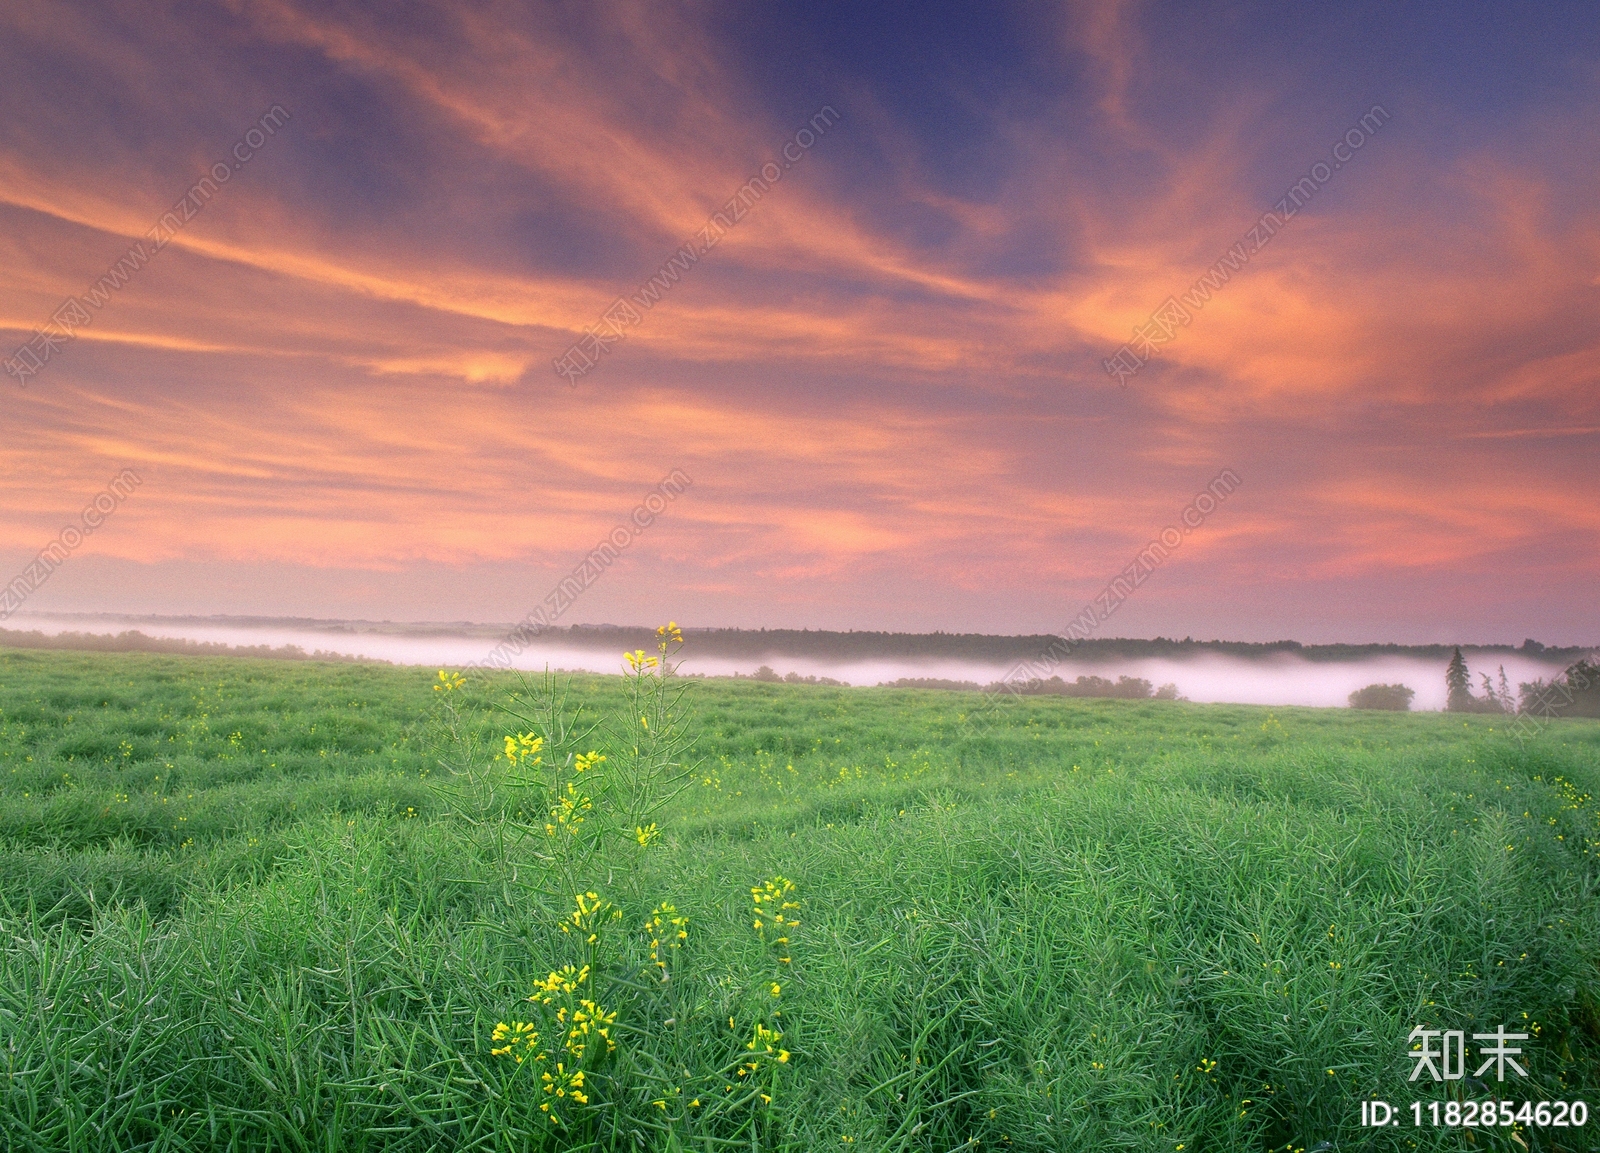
(1281, 679)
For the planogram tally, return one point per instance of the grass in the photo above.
(239, 912)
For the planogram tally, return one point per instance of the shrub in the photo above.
(1394, 698)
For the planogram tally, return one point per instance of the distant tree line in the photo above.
(981, 647)
(1123, 688)
(766, 674)
(134, 641)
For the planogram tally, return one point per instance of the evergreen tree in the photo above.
(1459, 683)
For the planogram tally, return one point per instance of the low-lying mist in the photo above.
(1281, 679)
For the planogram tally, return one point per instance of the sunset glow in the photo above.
(887, 376)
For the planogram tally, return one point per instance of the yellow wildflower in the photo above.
(591, 911)
(665, 922)
(569, 810)
(517, 1035)
(775, 904)
(524, 748)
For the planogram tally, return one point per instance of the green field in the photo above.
(244, 907)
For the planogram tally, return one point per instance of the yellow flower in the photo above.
(664, 921)
(569, 810)
(591, 911)
(524, 748)
(448, 682)
(637, 660)
(763, 1044)
(774, 904)
(518, 1034)
(564, 980)
(646, 834)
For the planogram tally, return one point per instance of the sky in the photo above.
(892, 374)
